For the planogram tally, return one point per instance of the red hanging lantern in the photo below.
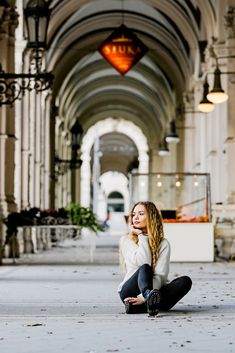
(123, 49)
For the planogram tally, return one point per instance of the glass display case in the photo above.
(185, 204)
(181, 197)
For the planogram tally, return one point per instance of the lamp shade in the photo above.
(163, 149)
(217, 94)
(76, 132)
(172, 136)
(205, 105)
(37, 15)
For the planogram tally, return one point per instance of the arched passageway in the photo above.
(185, 40)
(164, 86)
(117, 155)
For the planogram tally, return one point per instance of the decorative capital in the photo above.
(13, 21)
(188, 100)
(230, 22)
(9, 21)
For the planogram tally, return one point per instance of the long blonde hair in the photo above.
(154, 228)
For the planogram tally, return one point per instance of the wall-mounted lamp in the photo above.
(13, 86)
(217, 94)
(163, 148)
(76, 132)
(172, 136)
(37, 16)
(62, 165)
(205, 105)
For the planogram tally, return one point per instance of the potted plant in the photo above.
(12, 222)
(83, 217)
(51, 216)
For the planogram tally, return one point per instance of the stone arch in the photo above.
(103, 127)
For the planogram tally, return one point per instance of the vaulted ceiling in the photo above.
(87, 88)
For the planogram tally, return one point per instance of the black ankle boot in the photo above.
(152, 300)
(128, 307)
(135, 309)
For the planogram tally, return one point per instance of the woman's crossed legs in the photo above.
(142, 281)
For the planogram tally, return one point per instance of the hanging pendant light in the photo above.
(163, 148)
(217, 94)
(172, 136)
(205, 105)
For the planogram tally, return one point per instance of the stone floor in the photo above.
(65, 300)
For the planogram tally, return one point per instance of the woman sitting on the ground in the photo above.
(145, 255)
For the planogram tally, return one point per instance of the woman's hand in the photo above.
(135, 300)
(134, 230)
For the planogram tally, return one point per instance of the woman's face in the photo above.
(139, 217)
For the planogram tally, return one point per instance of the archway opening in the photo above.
(110, 145)
(115, 202)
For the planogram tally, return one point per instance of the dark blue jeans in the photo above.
(142, 280)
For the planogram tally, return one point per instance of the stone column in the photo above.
(76, 195)
(25, 152)
(8, 25)
(189, 135)
(155, 161)
(7, 122)
(85, 180)
(32, 124)
(155, 167)
(66, 180)
(47, 155)
(51, 158)
(38, 147)
(230, 140)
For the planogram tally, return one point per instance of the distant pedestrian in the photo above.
(145, 256)
(106, 223)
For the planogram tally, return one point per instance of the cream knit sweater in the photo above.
(135, 255)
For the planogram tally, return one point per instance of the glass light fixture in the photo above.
(76, 134)
(163, 148)
(75, 162)
(205, 105)
(14, 85)
(217, 94)
(37, 15)
(172, 136)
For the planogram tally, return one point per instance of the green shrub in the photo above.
(83, 217)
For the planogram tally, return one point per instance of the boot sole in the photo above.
(128, 307)
(153, 299)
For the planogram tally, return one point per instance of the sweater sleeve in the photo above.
(136, 254)
(162, 267)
